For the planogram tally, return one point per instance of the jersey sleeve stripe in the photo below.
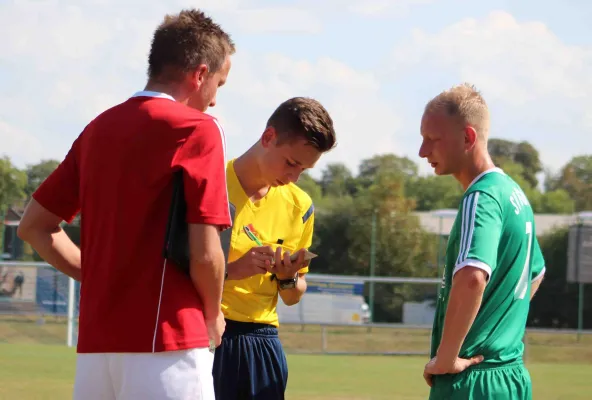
(539, 276)
(308, 213)
(473, 263)
(462, 229)
(469, 209)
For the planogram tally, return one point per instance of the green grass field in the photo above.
(35, 364)
(44, 372)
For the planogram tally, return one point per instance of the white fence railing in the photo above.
(36, 288)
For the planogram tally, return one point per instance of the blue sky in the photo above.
(373, 64)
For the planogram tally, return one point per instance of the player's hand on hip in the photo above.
(286, 266)
(433, 367)
(258, 260)
(216, 327)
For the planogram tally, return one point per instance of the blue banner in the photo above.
(356, 288)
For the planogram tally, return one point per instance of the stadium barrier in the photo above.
(40, 304)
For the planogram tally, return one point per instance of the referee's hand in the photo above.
(287, 267)
(256, 261)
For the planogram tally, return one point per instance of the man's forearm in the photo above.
(463, 305)
(57, 249)
(208, 278)
(293, 296)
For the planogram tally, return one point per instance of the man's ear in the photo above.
(199, 75)
(470, 137)
(268, 137)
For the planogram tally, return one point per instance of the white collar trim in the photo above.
(494, 169)
(149, 93)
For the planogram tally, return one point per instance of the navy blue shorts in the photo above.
(250, 363)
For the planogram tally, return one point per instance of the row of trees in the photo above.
(382, 198)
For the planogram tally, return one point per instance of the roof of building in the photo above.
(441, 220)
(12, 216)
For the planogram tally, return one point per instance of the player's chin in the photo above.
(441, 170)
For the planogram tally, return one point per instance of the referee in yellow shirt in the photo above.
(273, 220)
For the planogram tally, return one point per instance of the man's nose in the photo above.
(423, 150)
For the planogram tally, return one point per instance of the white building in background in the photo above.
(440, 221)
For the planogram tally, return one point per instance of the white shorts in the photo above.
(178, 375)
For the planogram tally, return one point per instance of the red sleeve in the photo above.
(202, 157)
(59, 193)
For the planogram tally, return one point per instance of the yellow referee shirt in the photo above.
(283, 217)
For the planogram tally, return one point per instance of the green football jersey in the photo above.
(494, 230)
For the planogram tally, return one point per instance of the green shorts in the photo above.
(509, 381)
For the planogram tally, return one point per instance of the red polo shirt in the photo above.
(118, 175)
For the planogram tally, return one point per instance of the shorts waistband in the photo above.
(235, 328)
(492, 366)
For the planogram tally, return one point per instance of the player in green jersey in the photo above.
(494, 264)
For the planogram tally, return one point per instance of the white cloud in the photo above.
(67, 61)
(92, 59)
(538, 87)
(22, 147)
(278, 20)
(48, 35)
(364, 122)
(382, 8)
(362, 8)
(518, 62)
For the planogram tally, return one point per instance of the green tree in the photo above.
(522, 153)
(556, 202)
(402, 247)
(37, 173)
(576, 179)
(337, 180)
(385, 164)
(331, 239)
(12, 183)
(434, 192)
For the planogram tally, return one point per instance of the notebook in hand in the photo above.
(176, 247)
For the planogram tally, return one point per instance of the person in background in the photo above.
(494, 264)
(145, 326)
(274, 221)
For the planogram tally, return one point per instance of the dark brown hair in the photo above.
(302, 117)
(184, 41)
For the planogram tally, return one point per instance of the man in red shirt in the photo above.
(145, 326)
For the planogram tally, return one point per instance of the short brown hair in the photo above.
(184, 41)
(302, 117)
(465, 102)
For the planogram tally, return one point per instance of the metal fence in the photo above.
(39, 304)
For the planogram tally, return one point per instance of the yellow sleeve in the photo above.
(307, 232)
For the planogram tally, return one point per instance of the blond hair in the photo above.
(465, 103)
